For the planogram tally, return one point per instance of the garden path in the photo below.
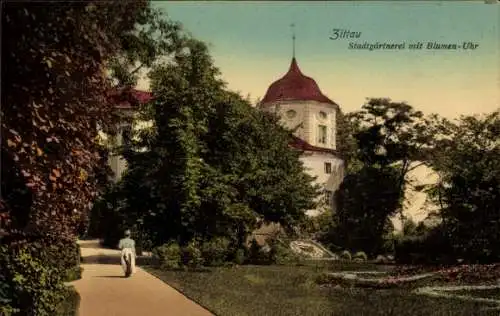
(105, 292)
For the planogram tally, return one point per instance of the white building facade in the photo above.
(312, 116)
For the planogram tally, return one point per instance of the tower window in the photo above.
(322, 134)
(328, 167)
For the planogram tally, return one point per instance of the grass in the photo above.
(486, 293)
(291, 290)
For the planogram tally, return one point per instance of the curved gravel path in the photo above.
(105, 292)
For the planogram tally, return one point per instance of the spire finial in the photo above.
(293, 39)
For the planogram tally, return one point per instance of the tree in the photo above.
(468, 190)
(54, 95)
(382, 143)
(211, 165)
(390, 134)
(49, 125)
(154, 39)
(366, 200)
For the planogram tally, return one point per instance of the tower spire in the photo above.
(292, 26)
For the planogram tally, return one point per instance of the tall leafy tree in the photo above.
(211, 165)
(154, 39)
(468, 190)
(382, 144)
(55, 95)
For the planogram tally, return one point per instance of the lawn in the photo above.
(486, 293)
(291, 290)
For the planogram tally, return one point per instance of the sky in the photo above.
(251, 43)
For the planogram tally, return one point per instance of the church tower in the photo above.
(302, 107)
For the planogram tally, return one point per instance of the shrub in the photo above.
(70, 304)
(280, 254)
(65, 254)
(433, 247)
(32, 272)
(73, 274)
(345, 255)
(256, 253)
(192, 256)
(361, 256)
(168, 255)
(216, 251)
(240, 256)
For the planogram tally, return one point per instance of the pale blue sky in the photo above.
(251, 44)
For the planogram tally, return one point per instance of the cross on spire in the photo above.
(292, 26)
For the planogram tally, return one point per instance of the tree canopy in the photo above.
(382, 143)
(54, 57)
(468, 190)
(211, 164)
(55, 90)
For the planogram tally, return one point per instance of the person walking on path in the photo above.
(128, 255)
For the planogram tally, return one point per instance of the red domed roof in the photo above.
(295, 86)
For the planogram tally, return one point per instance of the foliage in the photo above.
(216, 251)
(317, 226)
(211, 165)
(430, 247)
(240, 256)
(70, 303)
(109, 219)
(365, 202)
(32, 272)
(192, 256)
(49, 127)
(281, 254)
(169, 255)
(290, 290)
(154, 39)
(55, 58)
(257, 253)
(384, 142)
(73, 274)
(468, 190)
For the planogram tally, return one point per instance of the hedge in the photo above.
(33, 270)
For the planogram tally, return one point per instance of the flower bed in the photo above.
(471, 293)
(472, 273)
(307, 249)
(414, 276)
(363, 279)
(466, 273)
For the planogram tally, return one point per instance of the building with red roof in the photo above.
(303, 108)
